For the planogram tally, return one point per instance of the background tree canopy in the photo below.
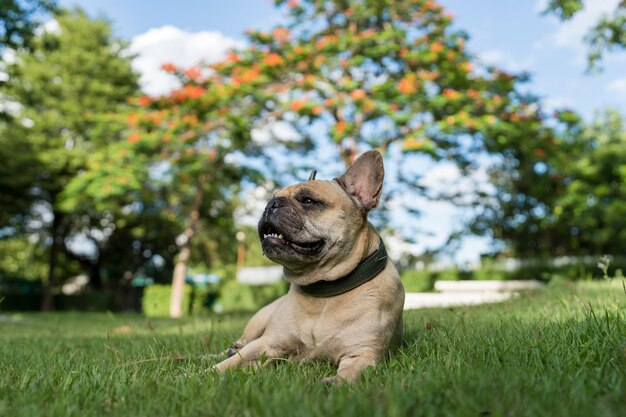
(100, 179)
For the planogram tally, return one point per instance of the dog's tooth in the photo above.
(280, 236)
(264, 236)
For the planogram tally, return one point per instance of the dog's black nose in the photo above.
(276, 203)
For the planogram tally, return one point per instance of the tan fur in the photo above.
(353, 330)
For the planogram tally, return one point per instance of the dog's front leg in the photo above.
(350, 368)
(256, 326)
(249, 353)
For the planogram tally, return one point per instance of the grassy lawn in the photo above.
(561, 352)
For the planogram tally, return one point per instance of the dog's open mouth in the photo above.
(270, 235)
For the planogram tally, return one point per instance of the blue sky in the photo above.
(510, 34)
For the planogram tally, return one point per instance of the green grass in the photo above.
(561, 352)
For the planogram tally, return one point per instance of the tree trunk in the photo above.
(47, 303)
(178, 278)
(95, 279)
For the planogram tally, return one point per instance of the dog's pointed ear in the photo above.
(363, 180)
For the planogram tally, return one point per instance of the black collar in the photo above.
(364, 271)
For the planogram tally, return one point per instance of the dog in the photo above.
(345, 298)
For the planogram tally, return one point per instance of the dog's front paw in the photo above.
(234, 349)
(333, 381)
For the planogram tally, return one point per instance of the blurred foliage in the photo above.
(156, 300)
(570, 202)
(22, 259)
(177, 155)
(381, 73)
(146, 182)
(606, 35)
(253, 253)
(19, 19)
(418, 281)
(59, 91)
(543, 269)
(235, 296)
(396, 76)
(591, 209)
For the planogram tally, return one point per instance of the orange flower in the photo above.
(408, 84)
(471, 93)
(358, 94)
(541, 154)
(281, 34)
(317, 110)
(273, 60)
(324, 40)
(427, 75)
(450, 120)
(169, 67)
(132, 119)
(412, 144)
(340, 127)
(144, 101)
(298, 104)
(234, 58)
(319, 61)
(394, 107)
(167, 137)
(243, 75)
(134, 137)
(193, 91)
(193, 73)
(293, 3)
(436, 47)
(328, 102)
(451, 94)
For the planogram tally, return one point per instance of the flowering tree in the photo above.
(377, 73)
(178, 145)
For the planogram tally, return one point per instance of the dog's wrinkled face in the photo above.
(308, 223)
(303, 222)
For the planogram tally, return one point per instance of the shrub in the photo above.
(418, 281)
(235, 296)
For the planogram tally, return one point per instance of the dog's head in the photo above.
(315, 222)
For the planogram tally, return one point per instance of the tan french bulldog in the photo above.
(345, 300)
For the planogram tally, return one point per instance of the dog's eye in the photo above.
(307, 201)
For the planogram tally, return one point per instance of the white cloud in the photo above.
(169, 44)
(509, 63)
(447, 178)
(617, 86)
(570, 34)
(274, 130)
(51, 26)
(552, 104)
